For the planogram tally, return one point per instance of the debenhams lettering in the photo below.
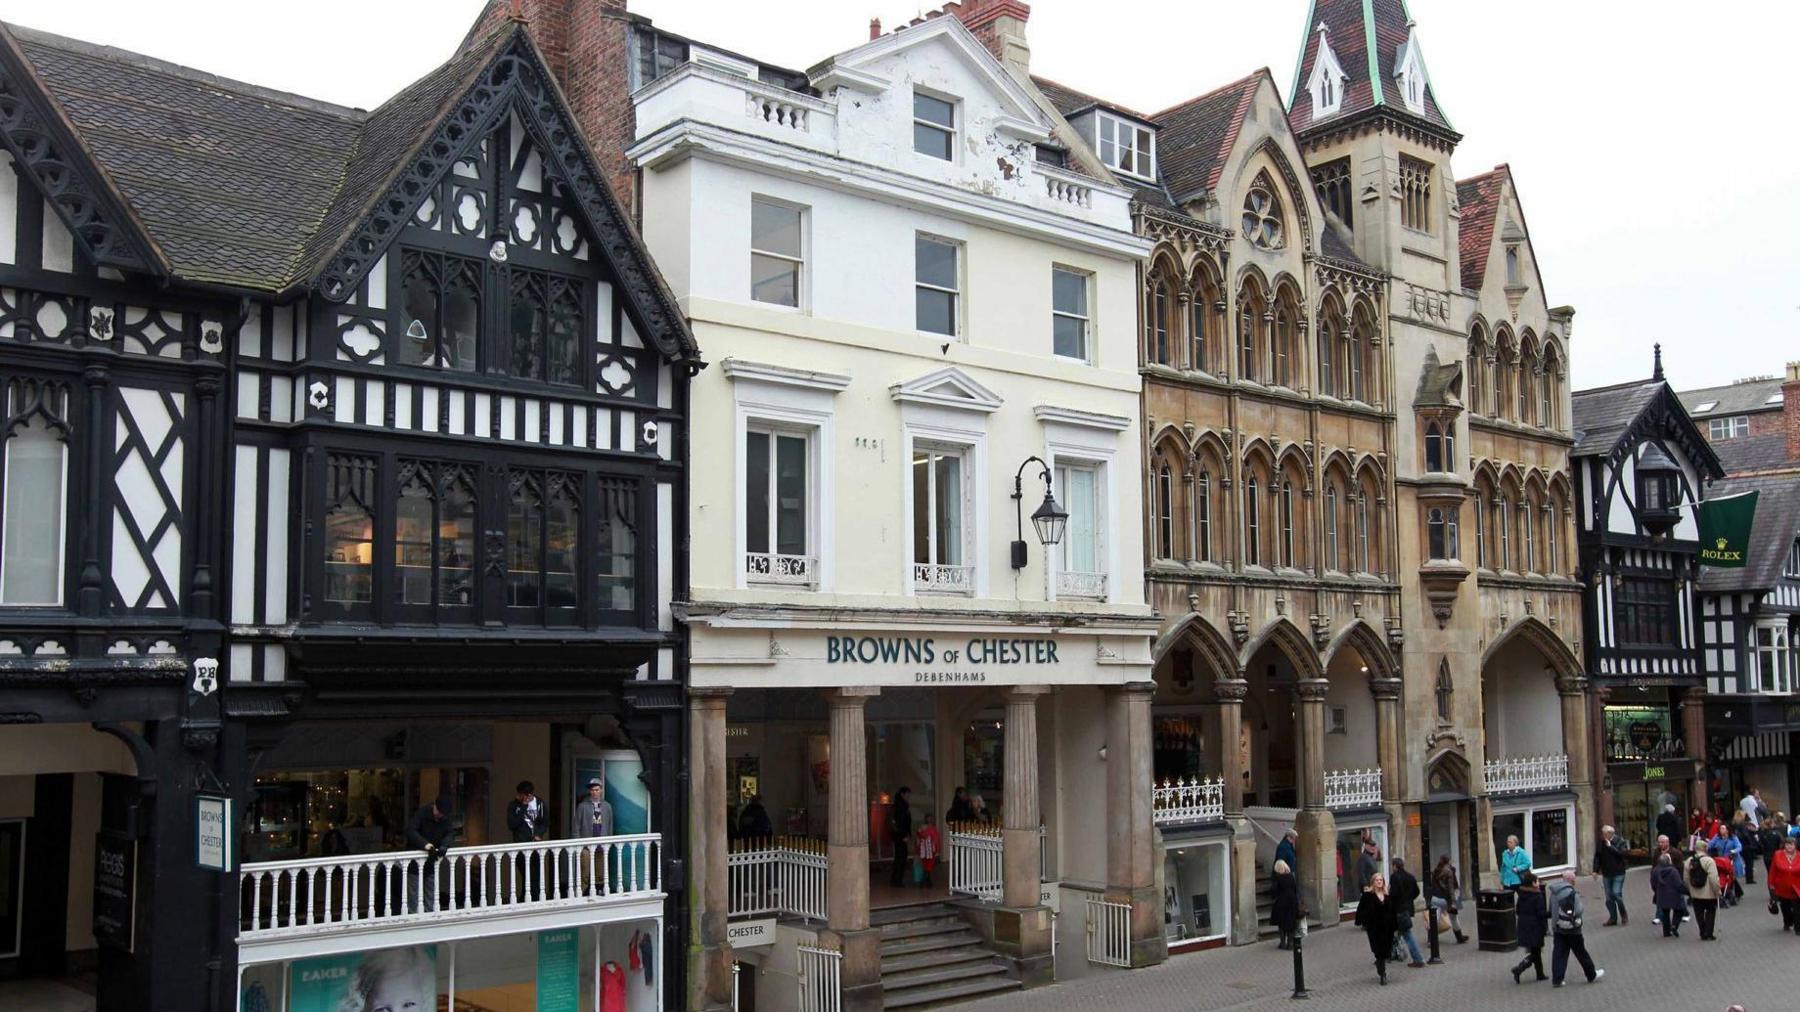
(980, 651)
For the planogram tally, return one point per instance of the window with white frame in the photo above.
(1732, 427)
(1081, 568)
(1126, 146)
(1069, 313)
(1792, 570)
(1774, 658)
(936, 284)
(778, 505)
(35, 476)
(934, 126)
(941, 520)
(777, 252)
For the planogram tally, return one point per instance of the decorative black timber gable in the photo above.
(52, 158)
(515, 81)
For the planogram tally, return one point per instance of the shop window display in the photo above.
(1195, 904)
(300, 813)
(1352, 870)
(1180, 748)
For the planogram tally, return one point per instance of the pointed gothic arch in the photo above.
(1532, 630)
(1369, 644)
(1294, 645)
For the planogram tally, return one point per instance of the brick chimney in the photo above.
(1000, 26)
(586, 45)
(1790, 411)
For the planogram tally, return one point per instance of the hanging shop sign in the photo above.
(115, 889)
(1725, 525)
(213, 832)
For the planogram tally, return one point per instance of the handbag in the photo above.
(1443, 922)
(1774, 907)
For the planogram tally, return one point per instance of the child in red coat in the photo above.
(929, 845)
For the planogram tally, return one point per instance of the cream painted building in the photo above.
(921, 322)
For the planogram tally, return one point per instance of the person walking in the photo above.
(1565, 924)
(1752, 806)
(1513, 860)
(1403, 892)
(1286, 911)
(1702, 876)
(1446, 895)
(1609, 863)
(1749, 837)
(1669, 823)
(1669, 895)
(1287, 850)
(1770, 836)
(1375, 915)
(1534, 923)
(899, 831)
(1784, 884)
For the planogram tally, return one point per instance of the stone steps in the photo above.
(930, 957)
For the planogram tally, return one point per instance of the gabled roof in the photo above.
(1741, 398)
(1070, 102)
(1768, 452)
(1607, 418)
(1772, 533)
(1479, 198)
(1198, 135)
(204, 180)
(1368, 37)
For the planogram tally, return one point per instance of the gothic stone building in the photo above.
(343, 476)
(1356, 443)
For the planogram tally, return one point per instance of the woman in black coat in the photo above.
(1534, 925)
(1286, 913)
(1670, 894)
(1375, 915)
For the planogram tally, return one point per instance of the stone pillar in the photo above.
(847, 854)
(1598, 774)
(1403, 840)
(1021, 922)
(709, 948)
(1693, 733)
(1573, 690)
(1315, 823)
(1131, 853)
(1230, 693)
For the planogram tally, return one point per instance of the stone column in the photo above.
(1573, 690)
(847, 854)
(1230, 693)
(1693, 733)
(1021, 867)
(709, 947)
(1131, 853)
(1403, 840)
(1598, 774)
(1315, 823)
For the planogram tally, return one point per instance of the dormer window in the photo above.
(1409, 68)
(934, 126)
(1126, 146)
(1328, 80)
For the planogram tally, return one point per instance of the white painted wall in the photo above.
(1521, 712)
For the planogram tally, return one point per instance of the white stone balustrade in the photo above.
(1188, 800)
(1352, 789)
(1522, 774)
(976, 856)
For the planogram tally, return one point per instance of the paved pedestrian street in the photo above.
(1753, 965)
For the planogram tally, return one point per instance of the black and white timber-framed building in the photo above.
(1640, 466)
(343, 471)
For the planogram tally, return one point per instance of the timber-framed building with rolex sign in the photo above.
(343, 479)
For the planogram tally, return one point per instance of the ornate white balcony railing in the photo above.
(1188, 800)
(1352, 788)
(1089, 585)
(1065, 187)
(976, 858)
(318, 896)
(772, 108)
(785, 875)
(1527, 773)
(768, 567)
(936, 579)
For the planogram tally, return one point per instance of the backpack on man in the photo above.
(1567, 920)
(1696, 875)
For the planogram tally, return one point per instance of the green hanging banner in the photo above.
(1725, 530)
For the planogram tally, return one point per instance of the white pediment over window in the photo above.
(948, 388)
(1328, 79)
(1409, 70)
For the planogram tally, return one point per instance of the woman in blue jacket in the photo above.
(1513, 861)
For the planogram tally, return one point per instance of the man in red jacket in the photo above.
(1784, 883)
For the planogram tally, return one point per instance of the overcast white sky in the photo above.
(1653, 156)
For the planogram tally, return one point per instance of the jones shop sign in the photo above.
(939, 660)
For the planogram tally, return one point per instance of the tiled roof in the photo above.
(1197, 136)
(1069, 101)
(1756, 453)
(1743, 397)
(1602, 415)
(1479, 198)
(1357, 28)
(1771, 533)
(229, 179)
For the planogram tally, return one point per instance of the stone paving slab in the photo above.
(1754, 964)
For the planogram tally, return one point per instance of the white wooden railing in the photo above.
(1065, 187)
(769, 567)
(773, 109)
(943, 579)
(976, 856)
(1188, 800)
(311, 896)
(1089, 585)
(1352, 788)
(785, 875)
(1109, 933)
(820, 978)
(1526, 773)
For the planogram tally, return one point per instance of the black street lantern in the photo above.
(1659, 490)
(1050, 519)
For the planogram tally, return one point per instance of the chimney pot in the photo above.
(874, 29)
